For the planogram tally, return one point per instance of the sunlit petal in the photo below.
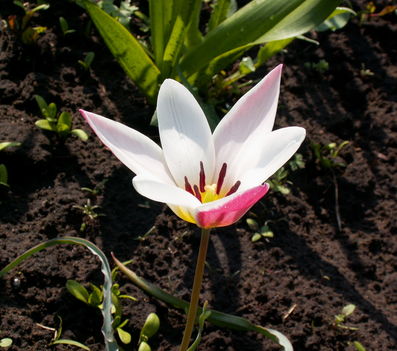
(230, 209)
(260, 159)
(185, 134)
(252, 115)
(135, 150)
(161, 192)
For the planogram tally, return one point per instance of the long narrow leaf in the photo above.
(107, 328)
(217, 318)
(193, 34)
(160, 12)
(127, 50)
(258, 22)
(184, 13)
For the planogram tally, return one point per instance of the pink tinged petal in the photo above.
(253, 114)
(185, 134)
(262, 158)
(135, 150)
(230, 209)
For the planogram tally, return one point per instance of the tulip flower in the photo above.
(208, 179)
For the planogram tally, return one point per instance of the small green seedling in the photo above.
(321, 66)
(340, 319)
(89, 211)
(60, 124)
(327, 155)
(94, 297)
(3, 169)
(366, 72)
(65, 26)
(28, 34)
(150, 328)
(263, 231)
(279, 182)
(86, 63)
(5, 342)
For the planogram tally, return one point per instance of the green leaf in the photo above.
(246, 66)
(3, 175)
(80, 134)
(64, 121)
(256, 237)
(348, 309)
(144, 346)
(151, 326)
(160, 12)
(270, 49)
(258, 22)
(96, 297)
(77, 290)
(127, 50)
(193, 34)
(252, 224)
(173, 48)
(183, 12)
(124, 336)
(70, 342)
(337, 19)
(44, 124)
(358, 346)
(222, 9)
(6, 144)
(42, 104)
(64, 25)
(89, 58)
(52, 111)
(5, 342)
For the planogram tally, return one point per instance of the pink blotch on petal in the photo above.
(231, 211)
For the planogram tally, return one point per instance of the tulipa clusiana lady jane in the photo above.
(208, 179)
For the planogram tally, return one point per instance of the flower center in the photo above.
(210, 192)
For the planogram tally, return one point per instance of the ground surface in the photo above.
(308, 266)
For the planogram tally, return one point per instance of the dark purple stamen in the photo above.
(234, 188)
(221, 178)
(188, 187)
(202, 177)
(197, 192)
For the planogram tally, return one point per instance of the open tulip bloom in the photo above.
(208, 179)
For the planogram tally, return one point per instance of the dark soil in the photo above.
(295, 282)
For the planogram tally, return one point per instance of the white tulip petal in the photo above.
(185, 134)
(260, 160)
(139, 153)
(162, 192)
(252, 115)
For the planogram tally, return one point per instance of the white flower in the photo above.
(211, 180)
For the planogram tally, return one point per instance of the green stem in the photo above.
(194, 299)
